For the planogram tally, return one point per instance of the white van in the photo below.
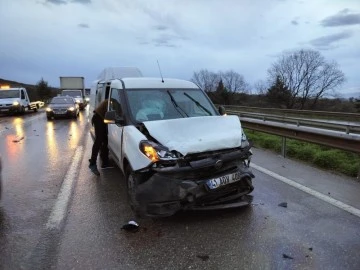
(176, 150)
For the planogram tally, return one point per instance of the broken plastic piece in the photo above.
(131, 226)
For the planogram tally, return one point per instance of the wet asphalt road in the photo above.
(37, 155)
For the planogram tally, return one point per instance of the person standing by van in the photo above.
(101, 138)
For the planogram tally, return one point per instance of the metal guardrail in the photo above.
(291, 112)
(342, 127)
(328, 138)
(329, 134)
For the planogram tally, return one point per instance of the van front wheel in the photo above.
(132, 182)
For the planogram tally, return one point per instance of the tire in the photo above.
(22, 110)
(132, 182)
(48, 118)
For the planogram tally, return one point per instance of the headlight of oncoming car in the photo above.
(156, 152)
(16, 103)
(48, 109)
(71, 108)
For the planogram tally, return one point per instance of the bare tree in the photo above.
(234, 82)
(307, 75)
(206, 80)
(261, 87)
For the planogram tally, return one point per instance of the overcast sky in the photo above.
(52, 38)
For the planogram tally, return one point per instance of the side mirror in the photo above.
(112, 118)
(222, 110)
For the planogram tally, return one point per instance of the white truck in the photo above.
(175, 149)
(16, 100)
(74, 87)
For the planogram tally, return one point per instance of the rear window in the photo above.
(74, 93)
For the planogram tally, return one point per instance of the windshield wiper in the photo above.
(197, 103)
(177, 107)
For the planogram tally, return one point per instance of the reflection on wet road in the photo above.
(53, 156)
(36, 155)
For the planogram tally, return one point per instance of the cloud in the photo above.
(294, 22)
(83, 25)
(161, 27)
(64, 2)
(342, 18)
(326, 42)
(82, 1)
(165, 40)
(56, 2)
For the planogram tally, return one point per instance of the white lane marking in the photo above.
(310, 191)
(58, 212)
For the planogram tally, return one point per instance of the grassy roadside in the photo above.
(323, 157)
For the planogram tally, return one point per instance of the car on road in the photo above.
(176, 150)
(78, 96)
(62, 107)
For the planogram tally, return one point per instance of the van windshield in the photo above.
(161, 104)
(9, 94)
(72, 93)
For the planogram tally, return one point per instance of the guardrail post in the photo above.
(283, 147)
(347, 129)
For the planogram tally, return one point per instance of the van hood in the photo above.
(197, 134)
(9, 100)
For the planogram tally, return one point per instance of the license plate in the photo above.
(59, 112)
(223, 180)
(4, 110)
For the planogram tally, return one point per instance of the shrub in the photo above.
(327, 159)
(322, 156)
(306, 153)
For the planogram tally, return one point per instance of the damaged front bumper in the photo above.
(169, 190)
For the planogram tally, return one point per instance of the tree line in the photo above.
(301, 79)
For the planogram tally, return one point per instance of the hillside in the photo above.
(31, 88)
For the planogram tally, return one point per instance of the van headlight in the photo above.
(16, 103)
(244, 140)
(71, 109)
(157, 152)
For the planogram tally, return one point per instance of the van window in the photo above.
(22, 94)
(161, 104)
(115, 102)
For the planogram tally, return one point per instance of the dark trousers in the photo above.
(101, 140)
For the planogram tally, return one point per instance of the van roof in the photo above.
(147, 82)
(119, 72)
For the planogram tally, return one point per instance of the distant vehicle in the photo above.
(74, 87)
(16, 100)
(176, 150)
(87, 95)
(77, 95)
(62, 106)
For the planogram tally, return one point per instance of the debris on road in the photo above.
(18, 139)
(283, 204)
(203, 257)
(287, 256)
(131, 226)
